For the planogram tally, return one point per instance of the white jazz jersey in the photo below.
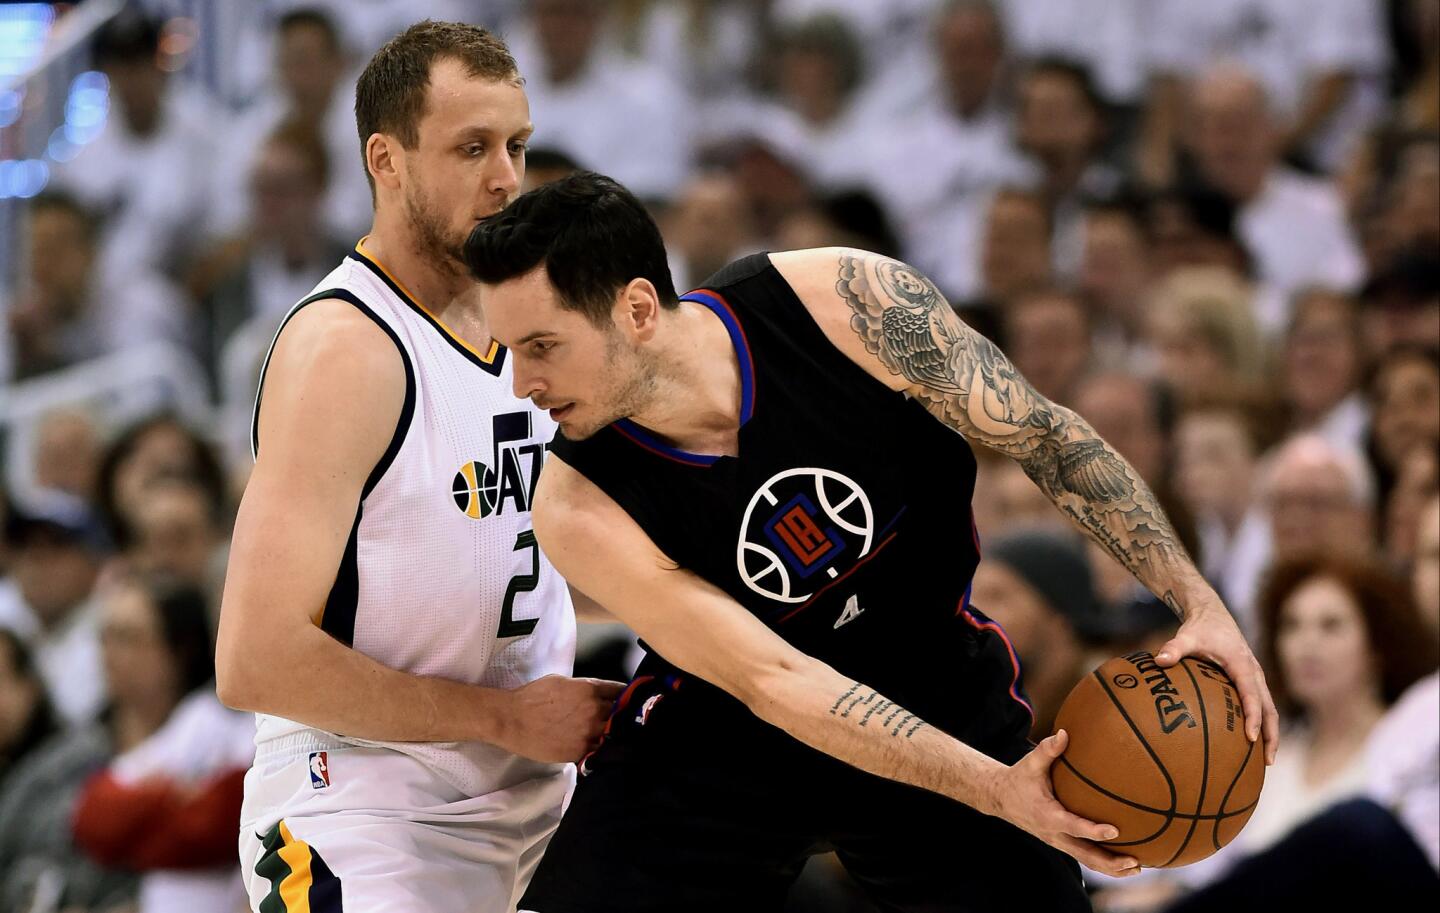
(442, 575)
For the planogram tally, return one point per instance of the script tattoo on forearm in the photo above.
(866, 706)
(969, 384)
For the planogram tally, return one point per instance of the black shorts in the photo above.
(693, 805)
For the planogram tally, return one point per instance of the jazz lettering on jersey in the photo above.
(507, 481)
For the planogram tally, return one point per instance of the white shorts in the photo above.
(371, 830)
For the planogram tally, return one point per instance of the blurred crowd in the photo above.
(1212, 229)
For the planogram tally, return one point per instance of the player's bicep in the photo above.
(601, 550)
(333, 394)
(890, 319)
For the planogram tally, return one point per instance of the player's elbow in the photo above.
(237, 682)
(768, 687)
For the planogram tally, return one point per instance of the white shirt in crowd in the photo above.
(67, 656)
(1297, 231)
(1105, 37)
(1404, 763)
(154, 191)
(1288, 45)
(618, 116)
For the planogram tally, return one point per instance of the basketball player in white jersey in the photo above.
(387, 613)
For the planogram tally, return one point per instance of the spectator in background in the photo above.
(57, 547)
(1037, 586)
(180, 533)
(709, 226)
(69, 308)
(26, 717)
(1047, 334)
(1061, 126)
(1116, 272)
(1401, 307)
(67, 453)
(282, 253)
(1340, 642)
(154, 448)
(1319, 498)
(1134, 415)
(961, 130)
(1322, 63)
(1217, 472)
(817, 68)
(1105, 38)
(1322, 363)
(1405, 397)
(311, 86)
(1203, 331)
(1404, 442)
(166, 804)
(147, 175)
(1015, 251)
(1294, 226)
(618, 115)
(544, 164)
(1007, 500)
(157, 650)
(850, 218)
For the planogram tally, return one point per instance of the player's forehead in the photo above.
(522, 306)
(458, 102)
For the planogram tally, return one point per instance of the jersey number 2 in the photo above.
(521, 583)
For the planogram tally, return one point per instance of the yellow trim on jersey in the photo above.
(488, 356)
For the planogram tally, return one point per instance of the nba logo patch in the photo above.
(319, 769)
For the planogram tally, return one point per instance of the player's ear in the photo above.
(638, 308)
(382, 160)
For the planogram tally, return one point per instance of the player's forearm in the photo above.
(311, 678)
(855, 723)
(1107, 499)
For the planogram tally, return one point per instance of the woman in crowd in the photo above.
(157, 651)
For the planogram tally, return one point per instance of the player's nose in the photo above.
(504, 177)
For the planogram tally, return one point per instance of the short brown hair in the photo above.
(1405, 649)
(390, 96)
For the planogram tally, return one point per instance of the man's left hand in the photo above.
(1210, 632)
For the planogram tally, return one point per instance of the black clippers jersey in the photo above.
(844, 523)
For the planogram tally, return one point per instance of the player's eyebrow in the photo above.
(533, 336)
(483, 131)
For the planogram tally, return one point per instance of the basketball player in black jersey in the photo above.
(764, 479)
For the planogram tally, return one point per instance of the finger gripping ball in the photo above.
(1162, 755)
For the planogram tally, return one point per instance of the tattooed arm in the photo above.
(895, 324)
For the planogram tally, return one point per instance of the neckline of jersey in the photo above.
(720, 308)
(492, 360)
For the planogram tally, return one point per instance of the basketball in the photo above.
(1162, 755)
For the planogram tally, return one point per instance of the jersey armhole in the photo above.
(407, 411)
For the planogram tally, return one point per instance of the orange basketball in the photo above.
(1162, 755)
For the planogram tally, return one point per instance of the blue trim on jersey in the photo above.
(721, 308)
(647, 440)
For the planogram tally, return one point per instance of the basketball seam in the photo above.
(1244, 765)
(1169, 781)
(1146, 808)
(1205, 768)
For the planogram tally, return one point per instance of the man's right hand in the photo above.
(558, 719)
(1022, 795)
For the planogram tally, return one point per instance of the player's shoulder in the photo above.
(332, 333)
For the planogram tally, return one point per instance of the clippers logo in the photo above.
(800, 523)
(480, 490)
(319, 769)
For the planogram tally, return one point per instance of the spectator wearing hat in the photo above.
(57, 546)
(1037, 585)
